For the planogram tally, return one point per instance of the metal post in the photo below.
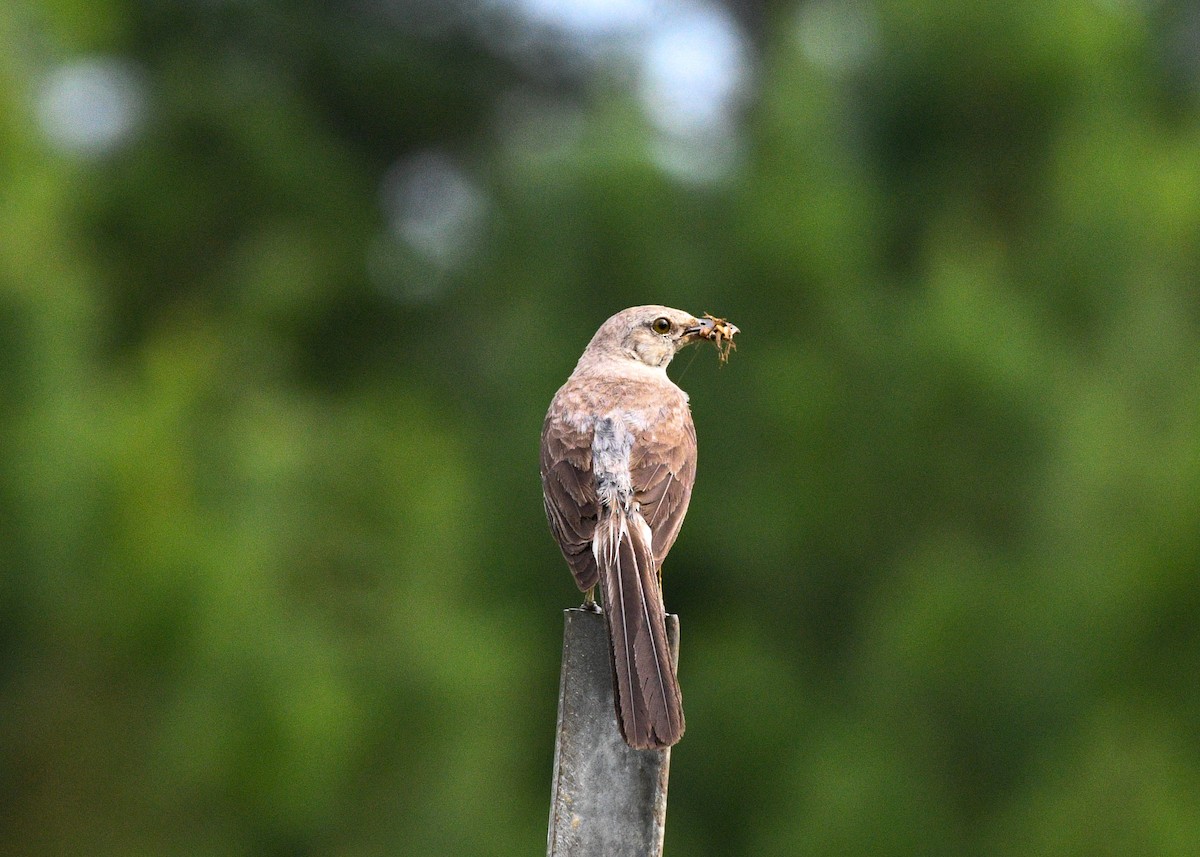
(608, 799)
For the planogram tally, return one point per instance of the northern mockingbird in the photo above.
(618, 461)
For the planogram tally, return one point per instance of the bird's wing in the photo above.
(663, 469)
(569, 493)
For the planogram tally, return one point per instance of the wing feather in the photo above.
(663, 469)
(570, 497)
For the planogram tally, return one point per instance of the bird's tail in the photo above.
(649, 704)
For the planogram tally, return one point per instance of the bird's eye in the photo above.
(661, 325)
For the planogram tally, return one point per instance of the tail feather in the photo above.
(648, 701)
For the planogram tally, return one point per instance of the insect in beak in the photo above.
(718, 331)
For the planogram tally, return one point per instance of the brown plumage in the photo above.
(618, 461)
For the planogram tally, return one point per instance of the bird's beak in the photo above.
(712, 328)
(716, 330)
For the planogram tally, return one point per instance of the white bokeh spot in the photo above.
(435, 208)
(91, 107)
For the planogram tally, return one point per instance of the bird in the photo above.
(618, 462)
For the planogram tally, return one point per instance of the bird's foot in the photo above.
(589, 602)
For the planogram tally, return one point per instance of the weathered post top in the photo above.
(608, 799)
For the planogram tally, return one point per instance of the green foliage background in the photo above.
(276, 578)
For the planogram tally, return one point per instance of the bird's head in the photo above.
(653, 334)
